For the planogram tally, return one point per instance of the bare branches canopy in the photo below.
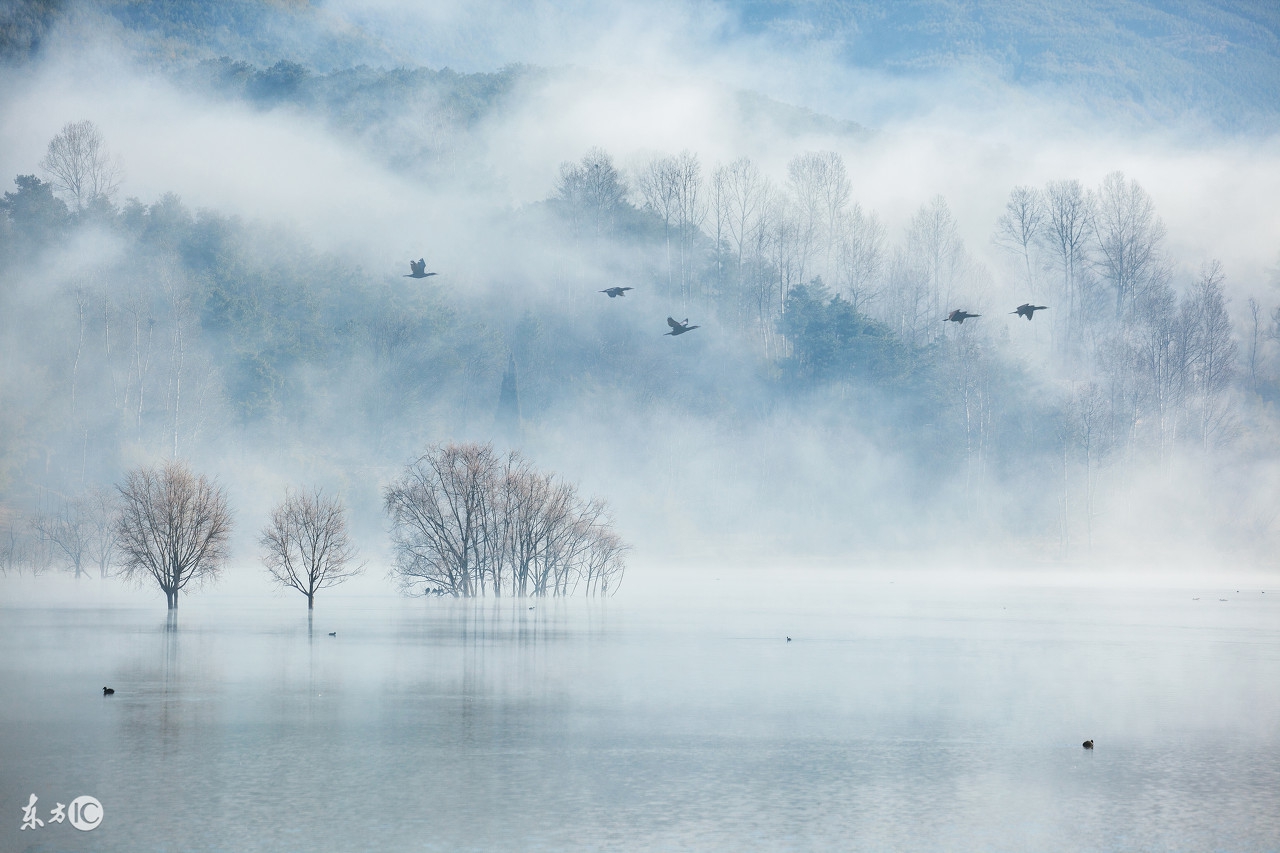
(306, 546)
(174, 527)
(79, 165)
(467, 522)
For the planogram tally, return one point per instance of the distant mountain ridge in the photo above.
(1155, 61)
(1144, 62)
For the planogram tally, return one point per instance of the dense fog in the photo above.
(236, 293)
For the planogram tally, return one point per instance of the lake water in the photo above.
(911, 711)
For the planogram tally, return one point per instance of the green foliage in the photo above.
(831, 341)
(36, 214)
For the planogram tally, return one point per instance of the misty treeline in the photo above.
(467, 521)
(796, 265)
(134, 329)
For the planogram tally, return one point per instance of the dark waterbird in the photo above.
(333, 633)
(1026, 309)
(108, 691)
(1088, 744)
(959, 316)
(678, 327)
(616, 291)
(419, 269)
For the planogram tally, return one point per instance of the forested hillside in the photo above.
(1095, 389)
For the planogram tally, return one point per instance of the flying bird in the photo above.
(959, 316)
(419, 269)
(108, 691)
(679, 328)
(1026, 309)
(616, 291)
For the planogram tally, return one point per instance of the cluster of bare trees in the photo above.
(469, 522)
(1102, 251)
(591, 192)
(767, 238)
(738, 240)
(169, 526)
(466, 522)
(77, 533)
(1165, 363)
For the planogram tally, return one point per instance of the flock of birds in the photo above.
(1026, 309)
(418, 269)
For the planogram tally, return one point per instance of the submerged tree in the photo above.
(174, 528)
(469, 523)
(306, 545)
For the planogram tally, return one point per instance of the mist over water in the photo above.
(911, 710)
(987, 542)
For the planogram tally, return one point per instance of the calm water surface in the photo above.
(908, 713)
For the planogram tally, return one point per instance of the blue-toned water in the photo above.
(910, 712)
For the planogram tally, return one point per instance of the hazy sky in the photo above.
(645, 78)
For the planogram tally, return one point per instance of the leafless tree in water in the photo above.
(174, 528)
(466, 522)
(306, 545)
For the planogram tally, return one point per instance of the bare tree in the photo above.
(306, 545)
(79, 165)
(604, 565)
(691, 212)
(821, 189)
(437, 510)
(907, 306)
(1161, 356)
(67, 533)
(1255, 341)
(659, 186)
(1090, 425)
(1211, 356)
(746, 194)
(1018, 230)
(1067, 213)
(860, 257)
(101, 511)
(1127, 234)
(13, 545)
(934, 247)
(591, 191)
(174, 528)
(467, 523)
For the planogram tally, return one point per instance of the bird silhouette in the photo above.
(333, 633)
(679, 328)
(419, 269)
(1088, 744)
(107, 691)
(616, 291)
(1026, 309)
(959, 316)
